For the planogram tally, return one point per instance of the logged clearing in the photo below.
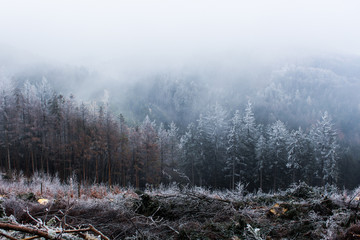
(68, 211)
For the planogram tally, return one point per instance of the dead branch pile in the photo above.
(183, 215)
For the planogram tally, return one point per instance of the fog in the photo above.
(152, 35)
(85, 47)
(195, 67)
(233, 49)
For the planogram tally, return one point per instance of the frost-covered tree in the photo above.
(202, 149)
(214, 135)
(173, 144)
(241, 145)
(233, 149)
(163, 144)
(249, 135)
(326, 146)
(30, 106)
(44, 94)
(169, 150)
(249, 126)
(6, 111)
(300, 156)
(190, 153)
(278, 137)
(261, 155)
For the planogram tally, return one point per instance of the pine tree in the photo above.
(162, 142)
(233, 150)
(190, 154)
(173, 145)
(249, 135)
(277, 142)
(326, 145)
(261, 156)
(299, 152)
(214, 128)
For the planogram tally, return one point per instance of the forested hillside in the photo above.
(179, 119)
(300, 124)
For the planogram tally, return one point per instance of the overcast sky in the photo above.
(162, 31)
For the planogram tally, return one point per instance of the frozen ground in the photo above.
(175, 212)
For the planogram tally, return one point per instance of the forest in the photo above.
(217, 145)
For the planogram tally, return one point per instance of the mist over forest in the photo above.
(179, 119)
(137, 93)
(184, 124)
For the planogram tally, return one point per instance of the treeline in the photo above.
(42, 131)
(218, 151)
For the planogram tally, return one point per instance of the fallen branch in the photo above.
(75, 230)
(94, 230)
(177, 232)
(9, 226)
(39, 233)
(30, 238)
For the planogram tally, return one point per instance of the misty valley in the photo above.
(300, 125)
(180, 120)
(176, 155)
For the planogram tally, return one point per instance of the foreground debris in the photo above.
(48, 232)
(301, 212)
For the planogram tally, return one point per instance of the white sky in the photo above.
(160, 31)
